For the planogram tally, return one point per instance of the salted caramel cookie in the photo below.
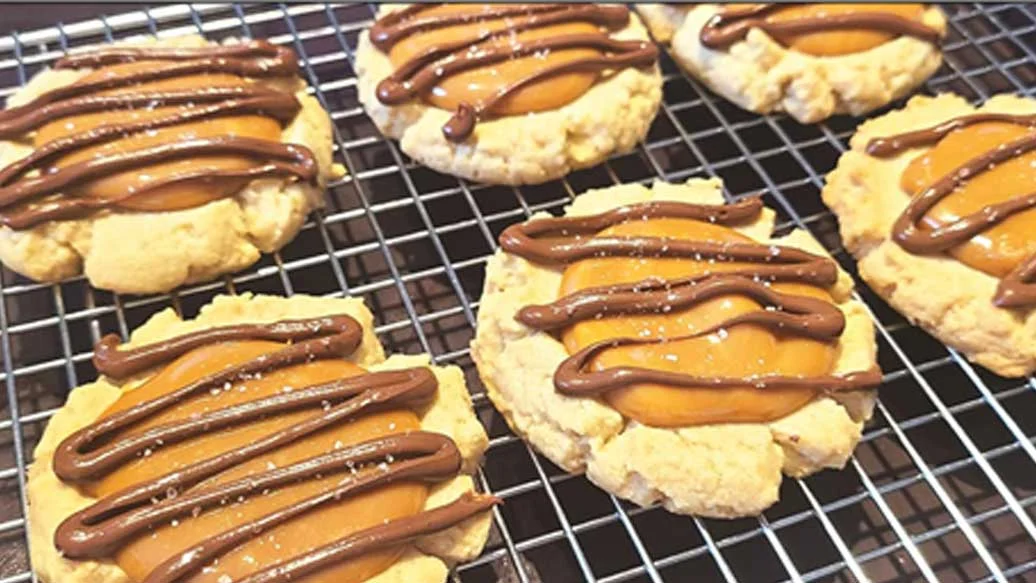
(266, 440)
(509, 94)
(937, 203)
(809, 60)
(667, 345)
(147, 165)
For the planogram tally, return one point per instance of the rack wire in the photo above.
(942, 487)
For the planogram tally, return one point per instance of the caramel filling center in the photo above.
(1002, 247)
(182, 191)
(477, 86)
(317, 527)
(829, 43)
(740, 351)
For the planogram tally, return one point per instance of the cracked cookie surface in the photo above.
(726, 470)
(448, 413)
(760, 74)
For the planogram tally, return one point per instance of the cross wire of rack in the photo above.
(941, 488)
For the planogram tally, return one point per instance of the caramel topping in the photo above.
(501, 59)
(980, 208)
(823, 29)
(151, 129)
(258, 461)
(675, 319)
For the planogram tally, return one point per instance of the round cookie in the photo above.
(541, 128)
(445, 414)
(726, 468)
(195, 233)
(761, 73)
(961, 302)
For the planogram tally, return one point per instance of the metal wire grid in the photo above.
(942, 487)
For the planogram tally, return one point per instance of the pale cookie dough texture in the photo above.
(721, 470)
(153, 252)
(761, 75)
(451, 413)
(610, 118)
(952, 301)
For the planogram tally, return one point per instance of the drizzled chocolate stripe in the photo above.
(567, 239)
(795, 314)
(284, 159)
(422, 72)
(374, 538)
(573, 378)
(25, 203)
(1018, 288)
(95, 451)
(113, 362)
(732, 24)
(253, 50)
(281, 106)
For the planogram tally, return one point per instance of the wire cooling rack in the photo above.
(942, 488)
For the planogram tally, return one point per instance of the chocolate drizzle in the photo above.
(103, 528)
(564, 240)
(29, 201)
(1017, 288)
(421, 73)
(731, 24)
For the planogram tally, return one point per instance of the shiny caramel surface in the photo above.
(476, 85)
(839, 42)
(314, 529)
(1000, 248)
(739, 351)
(179, 195)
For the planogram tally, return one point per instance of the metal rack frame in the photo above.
(942, 487)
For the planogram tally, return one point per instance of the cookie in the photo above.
(810, 61)
(152, 164)
(267, 439)
(669, 347)
(936, 202)
(509, 94)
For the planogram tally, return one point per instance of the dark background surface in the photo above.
(21, 16)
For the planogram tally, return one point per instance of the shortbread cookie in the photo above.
(809, 60)
(151, 164)
(668, 346)
(937, 201)
(509, 94)
(267, 439)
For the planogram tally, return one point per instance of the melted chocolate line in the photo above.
(293, 159)
(281, 106)
(566, 240)
(99, 57)
(395, 26)
(422, 72)
(534, 20)
(377, 537)
(56, 208)
(890, 146)
(731, 25)
(379, 388)
(85, 454)
(275, 104)
(460, 126)
(159, 72)
(117, 363)
(1016, 289)
(794, 314)
(107, 525)
(101, 529)
(573, 378)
